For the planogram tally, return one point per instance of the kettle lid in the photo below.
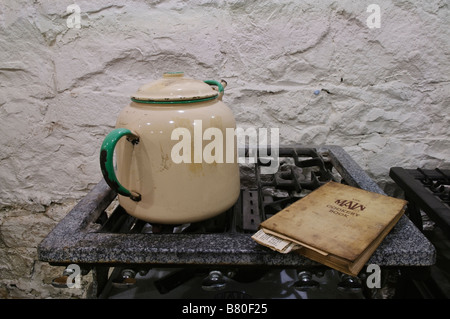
(174, 87)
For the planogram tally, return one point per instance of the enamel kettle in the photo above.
(178, 161)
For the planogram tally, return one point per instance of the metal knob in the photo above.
(349, 283)
(61, 282)
(126, 279)
(214, 282)
(306, 281)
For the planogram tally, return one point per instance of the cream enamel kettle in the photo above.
(175, 165)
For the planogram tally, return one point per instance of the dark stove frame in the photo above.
(427, 191)
(420, 197)
(73, 240)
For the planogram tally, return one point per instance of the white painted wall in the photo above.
(61, 88)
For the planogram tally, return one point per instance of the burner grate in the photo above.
(426, 190)
(438, 182)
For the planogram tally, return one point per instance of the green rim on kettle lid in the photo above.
(175, 102)
(173, 88)
(174, 73)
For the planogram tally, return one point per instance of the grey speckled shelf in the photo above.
(74, 240)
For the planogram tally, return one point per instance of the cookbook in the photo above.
(337, 225)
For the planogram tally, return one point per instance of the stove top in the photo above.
(98, 232)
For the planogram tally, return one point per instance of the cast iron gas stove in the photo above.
(426, 190)
(428, 194)
(97, 234)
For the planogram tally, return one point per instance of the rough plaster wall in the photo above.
(383, 92)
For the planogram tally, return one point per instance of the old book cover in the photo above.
(337, 225)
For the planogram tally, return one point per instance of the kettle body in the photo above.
(177, 160)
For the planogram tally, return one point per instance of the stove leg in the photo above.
(418, 283)
(413, 212)
(99, 281)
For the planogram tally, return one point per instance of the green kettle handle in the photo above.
(216, 83)
(106, 161)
